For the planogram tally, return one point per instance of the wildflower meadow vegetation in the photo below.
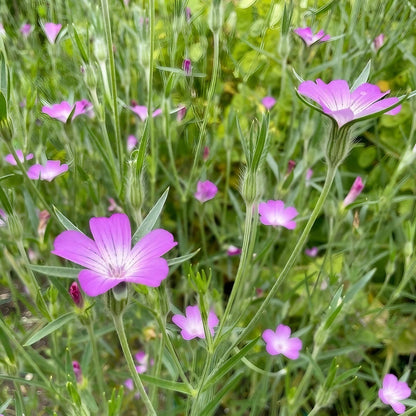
(208, 207)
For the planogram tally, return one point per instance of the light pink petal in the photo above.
(113, 238)
(52, 169)
(283, 331)
(290, 225)
(389, 381)
(157, 112)
(149, 271)
(94, 284)
(335, 95)
(268, 335)
(34, 171)
(141, 111)
(289, 213)
(179, 320)
(403, 390)
(310, 89)
(213, 321)
(51, 31)
(365, 95)
(78, 248)
(380, 106)
(82, 107)
(305, 34)
(398, 407)
(294, 345)
(59, 111)
(140, 357)
(340, 116)
(268, 102)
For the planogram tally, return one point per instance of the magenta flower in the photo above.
(393, 391)
(279, 342)
(76, 295)
(10, 158)
(109, 258)
(77, 371)
(143, 362)
(187, 66)
(131, 142)
(51, 31)
(50, 170)
(141, 111)
(309, 38)
(343, 105)
(378, 42)
(25, 29)
(274, 213)
(191, 324)
(233, 251)
(311, 252)
(355, 190)
(62, 110)
(205, 191)
(268, 102)
(181, 113)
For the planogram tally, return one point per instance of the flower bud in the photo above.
(100, 50)
(76, 295)
(215, 16)
(355, 190)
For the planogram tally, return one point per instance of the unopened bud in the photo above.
(43, 222)
(76, 295)
(77, 371)
(100, 50)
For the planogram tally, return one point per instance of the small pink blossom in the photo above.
(50, 170)
(131, 142)
(77, 371)
(290, 166)
(188, 14)
(10, 158)
(25, 29)
(268, 102)
(205, 154)
(309, 38)
(378, 42)
(309, 174)
(187, 66)
(43, 222)
(113, 206)
(393, 391)
(141, 111)
(279, 342)
(109, 259)
(181, 113)
(76, 295)
(233, 251)
(143, 361)
(311, 252)
(191, 324)
(355, 190)
(205, 191)
(274, 213)
(52, 30)
(62, 110)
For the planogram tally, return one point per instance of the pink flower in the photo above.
(274, 213)
(309, 174)
(25, 29)
(141, 111)
(378, 42)
(343, 105)
(76, 295)
(131, 142)
(355, 190)
(205, 191)
(233, 251)
(279, 342)
(188, 14)
(393, 391)
(109, 258)
(143, 362)
(77, 371)
(309, 38)
(10, 159)
(50, 170)
(311, 252)
(62, 110)
(51, 31)
(191, 324)
(268, 102)
(187, 66)
(3, 218)
(181, 113)
(290, 166)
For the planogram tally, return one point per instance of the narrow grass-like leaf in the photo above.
(5, 203)
(181, 259)
(356, 287)
(56, 271)
(363, 77)
(66, 223)
(49, 328)
(3, 107)
(151, 218)
(166, 384)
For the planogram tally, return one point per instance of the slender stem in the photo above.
(118, 323)
(211, 90)
(113, 82)
(96, 359)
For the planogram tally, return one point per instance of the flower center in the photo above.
(116, 271)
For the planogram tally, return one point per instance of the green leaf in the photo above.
(181, 259)
(245, 4)
(3, 107)
(149, 222)
(166, 384)
(5, 203)
(82, 51)
(66, 223)
(56, 271)
(356, 287)
(363, 77)
(49, 328)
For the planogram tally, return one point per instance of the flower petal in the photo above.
(94, 284)
(380, 106)
(365, 95)
(149, 271)
(283, 331)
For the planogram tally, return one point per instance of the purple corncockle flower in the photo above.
(52, 30)
(77, 371)
(50, 170)
(290, 166)
(10, 158)
(205, 191)
(279, 342)
(62, 110)
(191, 324)
(25, 29)
(131, 142)
(393, 391)
(187, 66)
(343, 105)
(274, 213)
(268, 102)
(233, 251)
(311, 252)
(378, 42)
(109, 258)
(355, 190)
(76, 295)
(309, 38)
(143, 362)
(141, 111)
